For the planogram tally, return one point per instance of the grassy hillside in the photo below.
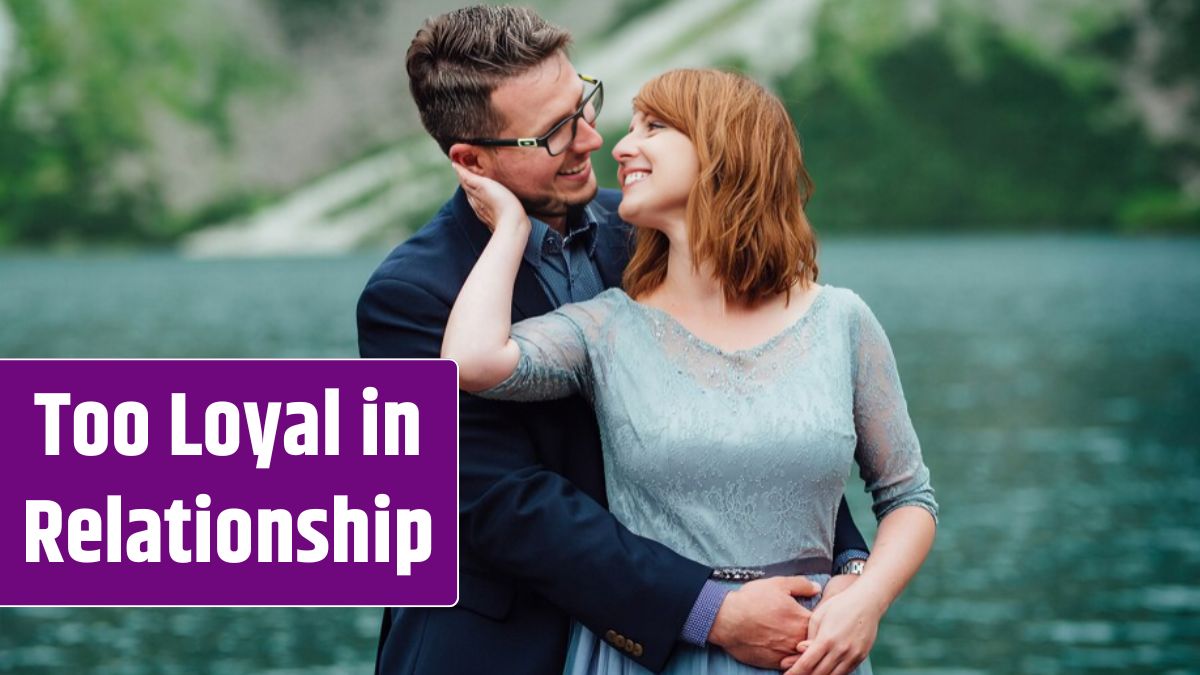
(938, 115)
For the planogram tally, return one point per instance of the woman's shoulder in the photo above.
(849, 307)
(606, 301)
(843, 299)
(856, 317)
(597, 312)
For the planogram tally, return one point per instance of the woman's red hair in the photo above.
(745, 215)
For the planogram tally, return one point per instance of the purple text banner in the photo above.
(228, 482)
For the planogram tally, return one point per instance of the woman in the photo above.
(733, 392)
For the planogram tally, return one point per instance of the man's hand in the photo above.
(840, 634)
(760, 623)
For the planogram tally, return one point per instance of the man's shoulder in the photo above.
(436, 258)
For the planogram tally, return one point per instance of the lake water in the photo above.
(1055, 384)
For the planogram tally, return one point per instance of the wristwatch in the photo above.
(853, 567)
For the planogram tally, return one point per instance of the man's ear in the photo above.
(471, 157)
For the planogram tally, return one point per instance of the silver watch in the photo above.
(853, 567)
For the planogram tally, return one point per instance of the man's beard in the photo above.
(549, 207)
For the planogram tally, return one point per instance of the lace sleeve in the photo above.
(888, 452)
(554, 361)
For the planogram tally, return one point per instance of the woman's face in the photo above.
(659, 166)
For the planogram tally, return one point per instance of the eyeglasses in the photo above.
(562, 135)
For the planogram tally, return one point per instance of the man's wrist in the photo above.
(853, 568)
(704, 613)
(847, 556)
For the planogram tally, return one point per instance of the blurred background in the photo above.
(1013, 186)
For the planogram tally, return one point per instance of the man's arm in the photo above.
(848, 542)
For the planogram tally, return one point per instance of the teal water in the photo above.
(1055, 383)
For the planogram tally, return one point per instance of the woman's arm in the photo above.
(904, 539)
(888, 453)
(478, 330)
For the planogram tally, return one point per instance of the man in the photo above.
(495, 89)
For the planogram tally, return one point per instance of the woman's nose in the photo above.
(625, 148)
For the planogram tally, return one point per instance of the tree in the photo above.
(74, 164)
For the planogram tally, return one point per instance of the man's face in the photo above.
(531, 104)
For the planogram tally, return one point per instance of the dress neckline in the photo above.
(662, 316)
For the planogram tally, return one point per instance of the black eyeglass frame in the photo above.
(543, 141)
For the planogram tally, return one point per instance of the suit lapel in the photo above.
(528, 297)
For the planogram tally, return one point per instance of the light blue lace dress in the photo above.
(729, 458)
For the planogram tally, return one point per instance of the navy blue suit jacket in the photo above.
(537, 544)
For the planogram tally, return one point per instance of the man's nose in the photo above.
(587, 139)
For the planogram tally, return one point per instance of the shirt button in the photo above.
(551, 245)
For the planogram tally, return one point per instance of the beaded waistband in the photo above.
(799, 566)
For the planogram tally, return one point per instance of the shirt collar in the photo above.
(581, 224)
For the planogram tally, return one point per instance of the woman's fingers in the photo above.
(789, 661)
(477, 197)
(464, 176)
(806, 665)
(827, 664)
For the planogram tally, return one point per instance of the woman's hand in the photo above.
(836, 585)
(477, 332)
(841, 633)
(493, 203)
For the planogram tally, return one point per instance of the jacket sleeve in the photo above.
(532, 523)
(846, 536)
